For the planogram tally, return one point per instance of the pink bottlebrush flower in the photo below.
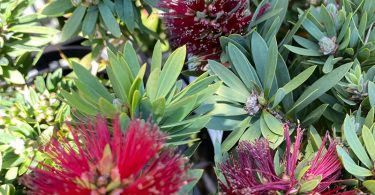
(129, 162)
(327, 165)
(253, 171)
(200, 23)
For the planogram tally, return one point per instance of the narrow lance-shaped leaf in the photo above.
(243, 67)
(354, 142)
(270, 68)
(350, 165)
(319, 87)
(171, 71)
(228, 77)
(292, 85)
(109, 20)
(71, 27)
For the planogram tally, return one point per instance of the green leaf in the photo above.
(319, 87)
(191, 150)
(306, 43)
(302, 172)
(235, 135)
(33, 29)
(266, 132)
(369, 141)
(288, 38)
(177, 111)
(243, 67)
(310, 185)
(350, 165)
(156, 57)
(137, 84)
(135, 102)
(231, 94)
(194, 175)
(120, 76)
(273, 124)
(345, 28)
(171, 71)
(270, 68)
(328, 65)
(355, 143)
(11, 174)
(292, 85)
(228, 77)
(109, 20)
(259, 51)
(7, 189)
(1, 161)
(129, 14)
(14, 76)
(57, 7)
(152, 84)
(313, 29)
(304, 52)
(107, 108)
(315, 115)
(371, 93)
(328, 21)
(90, 81)
(76, 102)
(252, 133)
(72, 25)
(277, 163)
(370, 185)
(222, 109)
(369, 120)
(131, 58)
(89, 22)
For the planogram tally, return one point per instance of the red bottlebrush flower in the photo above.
(129, 162)
(200, 23)
(253, 171)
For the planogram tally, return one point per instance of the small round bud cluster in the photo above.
(328, 45)
(44, 109)
(252, 105)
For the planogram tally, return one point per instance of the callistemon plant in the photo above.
(254, 170)
(359, 135)
(98, 162)
(337, 33)
(259, 89)
(200, 23)
(354, 89)
(95, 18)
(161, 95)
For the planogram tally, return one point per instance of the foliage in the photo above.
(95, 17)
(268, 81)
(28, 118)
(21, 40)
(244, 70)
(337, 33)
(360, 139)
(159, 96)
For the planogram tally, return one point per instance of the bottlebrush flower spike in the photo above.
(129, 162)
(253, 172)
(200, 23)
(242, 176)
(327, 165)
